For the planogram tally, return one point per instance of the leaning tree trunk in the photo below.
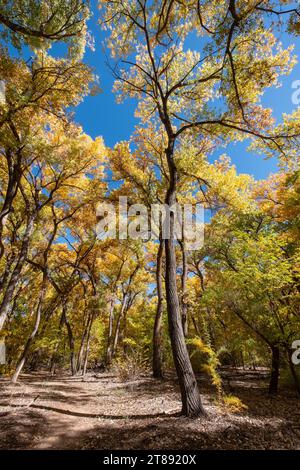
(273, 385)
(14, 176)
(87, 349)
(190, 396)
(196, 327)
(33, 333)
(81, 349)
(9, 292)
(157, 331)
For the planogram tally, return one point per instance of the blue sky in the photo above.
(101, 115)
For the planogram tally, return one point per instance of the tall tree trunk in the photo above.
(9, 292)
(70, 339)
(53, 360)
(108, 356)
(48, 312)
(33, 333)
(118, 326)
(157, 331)
(87, 349)
(82, 344)
(14, 176)
(190, 396)
(273, 385)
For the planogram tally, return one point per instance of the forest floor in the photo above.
(102, 412)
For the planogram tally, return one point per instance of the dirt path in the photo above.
(44, 412)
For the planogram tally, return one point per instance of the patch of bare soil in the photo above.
(101, 412)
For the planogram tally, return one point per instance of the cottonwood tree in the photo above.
(36, 93)
(143, 172)
(62, 159)
(141, 167)
(58, 185)
(239, 57)
(38, 24)
(248, 269)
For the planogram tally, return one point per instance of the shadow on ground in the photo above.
(102, 412)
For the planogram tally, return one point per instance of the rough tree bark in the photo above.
(190, 396)
(157, 331)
